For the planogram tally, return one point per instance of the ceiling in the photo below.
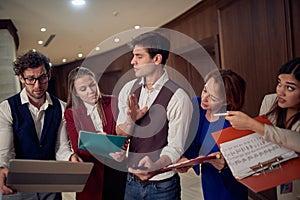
(82, 29)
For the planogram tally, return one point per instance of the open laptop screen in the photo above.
(47, 176)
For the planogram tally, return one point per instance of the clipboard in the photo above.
(47, 175)
(187, 163)
(274, 174)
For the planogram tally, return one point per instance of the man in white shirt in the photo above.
(32, 124)
(159, 129)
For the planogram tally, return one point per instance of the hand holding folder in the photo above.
(269, 159)
(100, 144)
(188, 163)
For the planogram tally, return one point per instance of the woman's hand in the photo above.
(242, 121)
(75, 158)
(239, 120)
(219, 163)
(182, 169)
(118, 156)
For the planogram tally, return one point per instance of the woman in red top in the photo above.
(87, 109)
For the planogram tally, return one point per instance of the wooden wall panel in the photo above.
(253, 43)
(295, 27)
(253, 38)
(60, 79)
(200, 23)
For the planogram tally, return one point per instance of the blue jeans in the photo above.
(32, 196)
(163, 190)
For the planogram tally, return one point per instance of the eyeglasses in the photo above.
(43, 79)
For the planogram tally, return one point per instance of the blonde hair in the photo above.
(75, 101)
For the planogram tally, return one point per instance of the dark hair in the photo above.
(234, 85)
(291, 67)
(154, 43)
(31, 59)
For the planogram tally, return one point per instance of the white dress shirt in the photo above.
(179, 113)
(93, 112)
(7, 150)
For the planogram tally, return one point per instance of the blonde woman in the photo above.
(89, 110)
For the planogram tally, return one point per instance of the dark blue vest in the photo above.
(26, 142)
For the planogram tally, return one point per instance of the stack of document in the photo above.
(251, 154)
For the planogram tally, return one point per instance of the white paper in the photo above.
(243, 153)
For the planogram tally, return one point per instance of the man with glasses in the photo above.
(31, 123)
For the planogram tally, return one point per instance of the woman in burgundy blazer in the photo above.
(104, 182)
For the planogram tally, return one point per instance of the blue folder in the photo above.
(100, 144)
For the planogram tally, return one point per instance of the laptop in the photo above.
(47, 175)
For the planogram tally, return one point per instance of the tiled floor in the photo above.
(68, 196)
(190, 187)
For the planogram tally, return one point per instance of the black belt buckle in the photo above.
(136, 178)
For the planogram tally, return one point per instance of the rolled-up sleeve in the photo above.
(7, 150)
(284, 137)
(63, 147)
(122, 102)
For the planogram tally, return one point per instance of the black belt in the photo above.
(136, 178)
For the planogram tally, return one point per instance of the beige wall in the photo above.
(9, 83)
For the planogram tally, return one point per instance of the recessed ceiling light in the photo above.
(50, 64)
(115, 13)
(78, 2)
(64, 60)
(40, 42)
(43, 29)
(80, 55)
(137, 27)
(97, 48)
(116, 40)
